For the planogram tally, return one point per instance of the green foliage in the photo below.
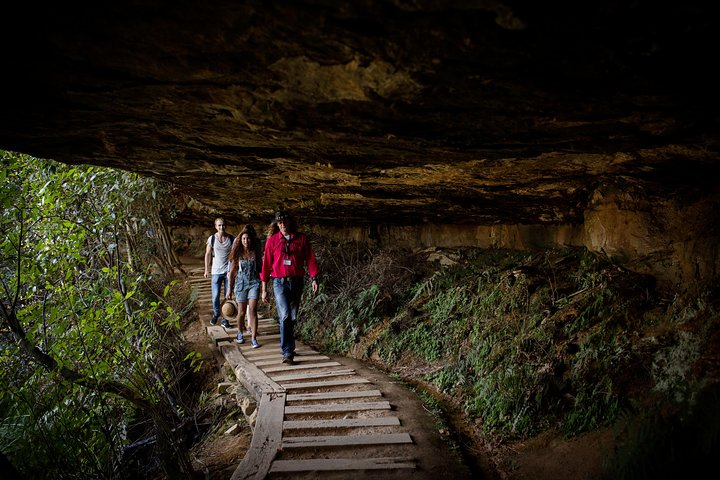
(359, 289)
(70, 294)
(521, 341)
(680, 351)
(421, 339)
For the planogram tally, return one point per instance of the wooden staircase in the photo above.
(317, 418)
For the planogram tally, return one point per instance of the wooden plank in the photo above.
(268, 326)
(265, 354)
(272, 353)
(329, 395)
(300, 366)
(337, 407)
(341, 423)
(326, 383)
(307, 376)
(267, 322)
(299, 359)
(266, 439)
(265, 330)
(217, 334)
(345, 440)
(337, 464)
(252, 378)
(232, 355)
(268, 339)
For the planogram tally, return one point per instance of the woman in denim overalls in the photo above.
(244, 280)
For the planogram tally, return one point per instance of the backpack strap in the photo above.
(212, 243)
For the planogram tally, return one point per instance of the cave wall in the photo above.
(677, 243)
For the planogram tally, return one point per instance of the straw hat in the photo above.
(229, 308)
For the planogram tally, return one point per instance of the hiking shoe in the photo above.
(241, 339)
(213, 320)
(255, 343)
(225, 323)
(288, 359)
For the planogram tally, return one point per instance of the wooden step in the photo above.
(298, 359)
(337, 407)
(327, 383)
(332, 395)
(308, 376)
(274, 353)
(332, 464)
(345, 440)
(341, 423)
(300, 366)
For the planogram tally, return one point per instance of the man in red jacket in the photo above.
(287, 254)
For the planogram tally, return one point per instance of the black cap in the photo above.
(282, 216)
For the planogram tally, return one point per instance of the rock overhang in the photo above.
(373, 112)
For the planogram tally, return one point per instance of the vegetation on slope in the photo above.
(524, 342)
(91, 357)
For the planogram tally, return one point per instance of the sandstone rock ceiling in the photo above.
(393, 112)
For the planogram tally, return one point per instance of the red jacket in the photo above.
(300, 254)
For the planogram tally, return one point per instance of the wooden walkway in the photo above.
(317, 418)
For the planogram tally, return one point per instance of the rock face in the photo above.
(519, 123)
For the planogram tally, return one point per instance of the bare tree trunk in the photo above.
(130, 245)
(166, 252)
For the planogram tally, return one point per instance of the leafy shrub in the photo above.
(95, 356)
(521, 341)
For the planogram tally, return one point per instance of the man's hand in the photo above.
(314, 286)
(263, 292)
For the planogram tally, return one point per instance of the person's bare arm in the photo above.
(231, 275)
(208, 259)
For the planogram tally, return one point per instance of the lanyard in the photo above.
(287, 245)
